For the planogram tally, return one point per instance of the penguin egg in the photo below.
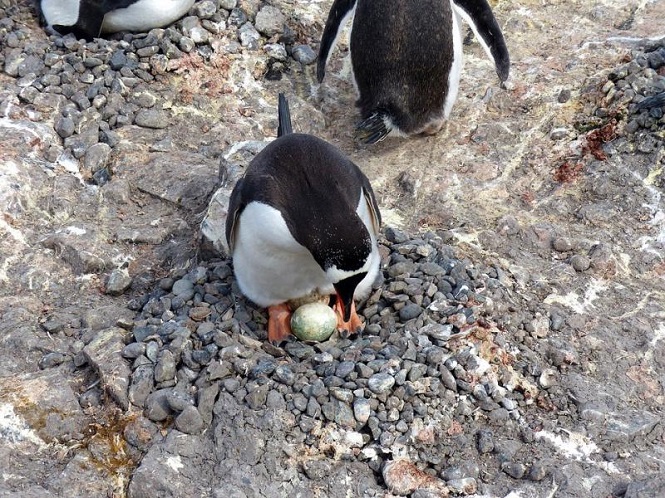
(313, 322)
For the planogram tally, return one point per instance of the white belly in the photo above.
(270, 266)
(145, 15)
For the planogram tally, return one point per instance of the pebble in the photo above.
(189, 421)
(118, 282)
(514, 470)
(381, 383)
(580, 263)
(151, 118)
(304, 54)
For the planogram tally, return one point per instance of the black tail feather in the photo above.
(284, 116)
(373, 129)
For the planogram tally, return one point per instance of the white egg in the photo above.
(313, 322)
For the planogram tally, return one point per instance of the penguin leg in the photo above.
(279, 322)
(353, 326)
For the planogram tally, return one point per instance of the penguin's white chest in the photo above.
(145, 15)
(271, 267)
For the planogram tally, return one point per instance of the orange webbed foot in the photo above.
(353, 326)
(279, 322)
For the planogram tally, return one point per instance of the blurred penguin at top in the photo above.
(88, 19)
(406, 57)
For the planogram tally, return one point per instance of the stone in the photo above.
(269, 21)
(304, 54)
(189, 421)
(152, 118)
(402, 477)
(103, 354)
(381, 383)
(118, 282)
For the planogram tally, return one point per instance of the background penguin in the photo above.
(87, 19)
(303, 221)
(407, 58)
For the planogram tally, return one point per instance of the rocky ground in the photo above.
(514, 345)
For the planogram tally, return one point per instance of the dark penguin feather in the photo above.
(373, 129)
(316, 189)
(481, 12)
(657, 100)
(284, 114)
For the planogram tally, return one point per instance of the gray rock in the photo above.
(227, 4)
(381, 383)
(205, 9)
(118, 282)
(51, 360)
(96, 156)
(157, 407)
(514, 469)
(362, 410)
(463, 486)
(165, 369)
(103, 354)
(269, 21)
(190, 421)
(141, 385)
(45, 403)
(303, 54)
(206, 401)
(409, 312)
(152, 118)
(248, 36)
(652, 486)
(64, 127)
(580, 263)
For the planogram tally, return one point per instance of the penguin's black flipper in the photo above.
(478, 14)
(372, 129)
(284, 116)
(657, 100)
(339, 12)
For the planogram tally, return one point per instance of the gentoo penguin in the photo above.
(303, 222)
(407, 58)
(87, 19)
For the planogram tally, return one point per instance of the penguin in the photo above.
(303, 222)
(88, 19)
(406, 57)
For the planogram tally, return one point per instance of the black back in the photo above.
(317, 190)
(402, 55)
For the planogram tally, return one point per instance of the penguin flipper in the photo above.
(657, 100)
(284, 114)
(373, 206)
(339, 12)
(478, 14)
(236, 206)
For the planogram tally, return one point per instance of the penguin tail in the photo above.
(284, 117)
(374, 128)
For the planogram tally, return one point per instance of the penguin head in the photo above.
(346, 261)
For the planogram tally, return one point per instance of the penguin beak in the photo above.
(345, 302)
(345, 290)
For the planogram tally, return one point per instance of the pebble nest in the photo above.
(429, 357)
(446, 344)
